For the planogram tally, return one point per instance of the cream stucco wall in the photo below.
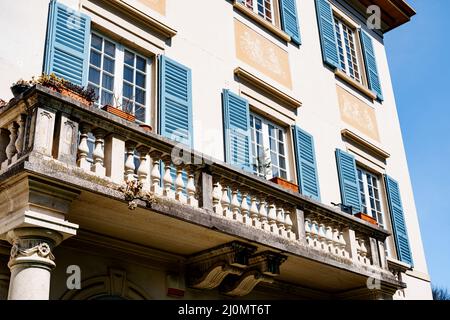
(206, 44)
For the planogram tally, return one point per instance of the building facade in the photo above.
(263, 158)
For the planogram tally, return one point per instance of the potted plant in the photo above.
(20, 87)
(285, 184)
(120, 109)
(367, 218)
(67, 88)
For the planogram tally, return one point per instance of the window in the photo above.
(120, 77)
(268, 148)
(263, 8)
(347, 53)
(371, 204)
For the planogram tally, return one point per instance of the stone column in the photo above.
(31, 262)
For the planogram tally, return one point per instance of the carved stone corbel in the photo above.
(263, 267)
(208, 269)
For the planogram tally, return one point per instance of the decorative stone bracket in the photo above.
(234, 267)
(263, 267)
(208, 269)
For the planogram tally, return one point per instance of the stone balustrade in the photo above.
(106, 147)
(243, 204)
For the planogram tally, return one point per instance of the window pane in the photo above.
(127, 90)
(129, 58)
(108, 82)
(107, 98)
(281, 148)
(108, 65)
(141, 64)
(140, 79)
(274, 159)
(96, 58)
(110, 49)
(140, 96)
(128, 74)
(96, 42)
(140, 114)
(282, 162)
(94, 76)
(272, 145)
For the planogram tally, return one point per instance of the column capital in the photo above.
(33, 246)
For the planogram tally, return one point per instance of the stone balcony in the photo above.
(72, 168)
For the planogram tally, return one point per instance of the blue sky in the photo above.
(419, 54)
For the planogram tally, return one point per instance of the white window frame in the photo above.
(253, 5)
(341, 44)
(379, 214)
(118, 76)
(265, 123)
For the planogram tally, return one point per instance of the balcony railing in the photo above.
(42, 122)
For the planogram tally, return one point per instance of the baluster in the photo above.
(254, 212)
(179, 185)
(288, 224)
(155, 173)
(190, 187)
(83, 147)
(315, 232)
(130, 167)
(235, 205)
(322, 238)
(99, 154)
(343, 244)
(245, 209)
(308, 231)
(144, 168)
(329, 238)
(364, 252)
(21, 119)
(11, 150)
(167, 179)
(358, 250)
(225, 200)
(272, 217)
(217, 196)
(280, 221)
(263, 212)
(336, 243)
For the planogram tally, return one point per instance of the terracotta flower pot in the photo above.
(74, 95)
(285, 184)
(120, 113)
(146, 127)
(367, 218)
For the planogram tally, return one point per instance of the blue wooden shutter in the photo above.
(175, 101)
(306, 163)
(67, 47)
(237, 135)
(289, 20)
(398, 220)
(348, 180)
(371, 65)
(327, 33)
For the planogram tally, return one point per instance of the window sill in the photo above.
(153, 23)
(269, 26)
(268, 88)
(355, 84)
